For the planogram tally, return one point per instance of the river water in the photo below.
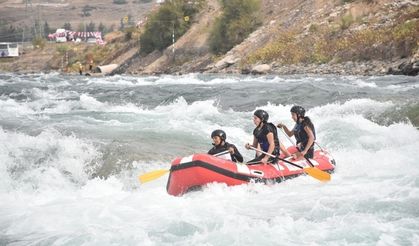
(71, 149)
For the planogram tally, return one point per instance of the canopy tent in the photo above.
(71, 35)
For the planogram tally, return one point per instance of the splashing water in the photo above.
(71, 149)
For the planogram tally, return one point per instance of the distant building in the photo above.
(9, 50)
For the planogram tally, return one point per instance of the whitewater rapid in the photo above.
(71, 149)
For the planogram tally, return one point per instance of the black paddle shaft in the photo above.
(295, 165)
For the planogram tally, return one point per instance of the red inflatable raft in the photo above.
(191, 172)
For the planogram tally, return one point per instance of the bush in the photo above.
(346, 21)
(239, 19)
(39, 42)
(62, 48)
(129, 33)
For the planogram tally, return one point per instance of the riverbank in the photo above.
(408, 67)
(295, 37)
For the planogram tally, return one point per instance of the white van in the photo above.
(60, 36)
(9, 50)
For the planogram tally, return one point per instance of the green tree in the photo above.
(81, 27)
(101, 28)
(91, 27)
(161, 25)
(47, 29)
(239, 19)
(67, 26)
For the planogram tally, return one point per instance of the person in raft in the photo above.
(265, 136)
(303, 131)
(220, 145)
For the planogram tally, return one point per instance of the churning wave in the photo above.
(71, 150)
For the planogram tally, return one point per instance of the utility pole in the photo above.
(173, 38)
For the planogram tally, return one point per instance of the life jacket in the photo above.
(260, 135)
(236, 157)
(301, 135)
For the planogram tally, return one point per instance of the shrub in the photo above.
(129, 33)
(63, 48)
(39, 42)
(346, 21)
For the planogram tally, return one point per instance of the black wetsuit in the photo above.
(261, 136)
(302, 138)
(236, 157)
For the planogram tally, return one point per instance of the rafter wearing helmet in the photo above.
(304, 132)
(220, 145)
(265, 136)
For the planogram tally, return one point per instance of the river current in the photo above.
(72, 147)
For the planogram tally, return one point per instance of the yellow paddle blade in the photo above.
(152, 175)
(317, 173)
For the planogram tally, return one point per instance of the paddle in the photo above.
(312, 171)
(158, 173)
(292, 142)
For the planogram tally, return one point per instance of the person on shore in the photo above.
(303, 131)
(91, 65)
(80, 67)
(265, 136)
(220, 145)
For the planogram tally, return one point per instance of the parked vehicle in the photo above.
(9, 49)
(60, 36)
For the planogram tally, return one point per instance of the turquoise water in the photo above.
(71, 149)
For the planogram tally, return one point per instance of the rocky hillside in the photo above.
(363, 37)
(297, 36)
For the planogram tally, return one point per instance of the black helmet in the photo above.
(219, 133)
(300, 111)
(262, 114)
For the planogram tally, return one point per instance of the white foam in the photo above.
(48, 195)
(47, 160)
(363, 83)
